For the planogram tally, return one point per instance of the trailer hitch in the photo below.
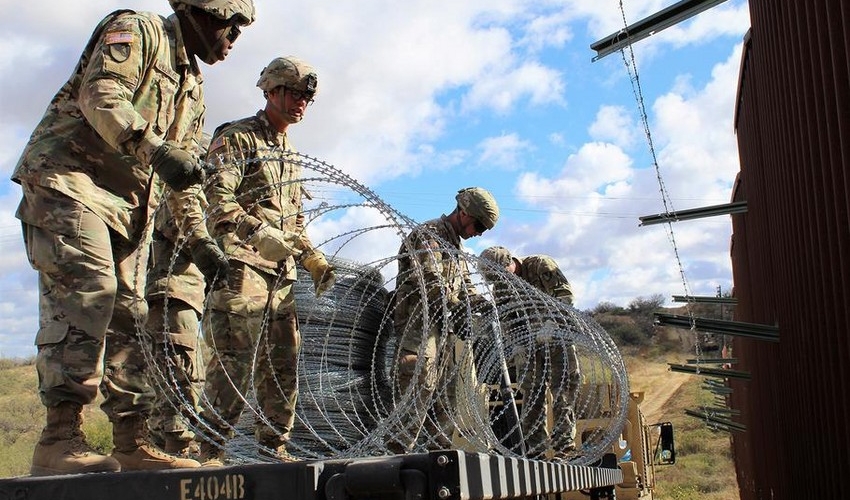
(381, 478)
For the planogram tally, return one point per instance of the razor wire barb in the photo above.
(349, 402)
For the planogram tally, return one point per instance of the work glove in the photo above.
(212, 262)
(486, 310)
(321, 272)
(276, 244)
(178, 168)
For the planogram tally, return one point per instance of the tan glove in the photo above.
(276, 244)
(321, 272)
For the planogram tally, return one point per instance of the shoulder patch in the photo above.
(217, 143)
(118, 37)
(430, 245)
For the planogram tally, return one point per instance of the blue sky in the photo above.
(419, 99)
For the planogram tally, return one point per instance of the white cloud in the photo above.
(500, 91)
(594, 168)
(503, 151)
(548, 31)
(723, 20)
(411, 91)
(593, 203)
(613, 123)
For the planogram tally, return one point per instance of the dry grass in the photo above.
(703, 470)
(22, 417)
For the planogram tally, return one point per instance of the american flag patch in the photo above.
(217, 143)
(118, 37)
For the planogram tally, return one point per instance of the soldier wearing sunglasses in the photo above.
(255, 209)
(433, 292)
(129, 118)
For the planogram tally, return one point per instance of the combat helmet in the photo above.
(243, 10)
(290, 72)
(500, 256)
(479, 203)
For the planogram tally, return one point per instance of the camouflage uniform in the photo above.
(175, 295)
(256, 310)
(430, 256)
(87, 194)
(543, 361)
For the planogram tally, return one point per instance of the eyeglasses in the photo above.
(300, 94)
(479, 226)
(233, 33)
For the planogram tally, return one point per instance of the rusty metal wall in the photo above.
(791, 251)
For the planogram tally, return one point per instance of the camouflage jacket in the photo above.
(253, 186)
(176, 276)
(435, 250)
(134, 87)
(543, 273)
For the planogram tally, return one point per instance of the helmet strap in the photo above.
(190, 16)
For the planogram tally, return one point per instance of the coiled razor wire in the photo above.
(351, 403)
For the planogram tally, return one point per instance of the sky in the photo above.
(418, 99)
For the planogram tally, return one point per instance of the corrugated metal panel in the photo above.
(791, 250)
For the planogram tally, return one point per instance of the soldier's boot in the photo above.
(564, 435)
(134, 451)
(275, 448)
(212, 453)
(179, 445)
(62, 448)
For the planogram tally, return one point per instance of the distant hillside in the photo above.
(633, 326)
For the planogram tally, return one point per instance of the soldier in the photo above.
(175, 295)
(255, 211)
(434, 284)
(133, 107)
(550, 363)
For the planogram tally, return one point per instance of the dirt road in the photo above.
(658, 384)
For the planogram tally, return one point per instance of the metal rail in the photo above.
(737, 207)
(647, 26)
(736, 328)
(438, 475)
(705, 299)
(709, 372)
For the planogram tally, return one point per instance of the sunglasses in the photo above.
(479, 227)
(300, 94)
(233, 33)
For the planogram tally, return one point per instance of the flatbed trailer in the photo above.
(437, 475)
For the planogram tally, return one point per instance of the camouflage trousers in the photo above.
(427, 383)
(90, 292)
(550, 370)
(252, 332)
(177, 375)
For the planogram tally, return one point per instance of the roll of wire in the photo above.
(509, 377)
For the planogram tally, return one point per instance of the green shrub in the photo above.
(627, 335)
(98, 432)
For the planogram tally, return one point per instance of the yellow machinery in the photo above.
(640, 449)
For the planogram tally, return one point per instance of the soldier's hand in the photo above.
(321, 272)
(212, 262)
(178, 168)
(488, 310)
(276, 244)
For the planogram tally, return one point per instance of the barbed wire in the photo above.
(351, 402)
(628, 56)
